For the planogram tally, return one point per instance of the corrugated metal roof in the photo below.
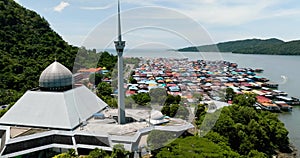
(58, 110)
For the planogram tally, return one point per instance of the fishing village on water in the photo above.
(210, 79)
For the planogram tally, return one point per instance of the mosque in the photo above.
(58, 116)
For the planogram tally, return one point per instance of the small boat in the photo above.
(258, 70)
(268, 107)
(290, 101)
(270, 85)
(295, 101)
(280, 93)
(284, 106)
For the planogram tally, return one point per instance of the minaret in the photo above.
(120, 48)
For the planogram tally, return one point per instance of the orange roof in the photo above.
(268, 104)
(91, 70)
(262, 99)
(228, 84)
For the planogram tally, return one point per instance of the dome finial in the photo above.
(56, 77)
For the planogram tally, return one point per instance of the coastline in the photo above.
(292, 147)
(293, 154)
(238, 53)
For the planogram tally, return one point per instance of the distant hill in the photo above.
(271, 46)
(27, 46)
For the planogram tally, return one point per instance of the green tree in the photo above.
(97, 153)
(173, 109)
(195, 147)
(111, 101)
(95, 78)
(70, 154)
(104, 89)
(166, 110)
(132, 80)
(256, 154)
(141, 98)
(119, 151)
(229, 94)
(172, 99)
(247, 130)
(200, 112)
(107, 60)
(244, 100)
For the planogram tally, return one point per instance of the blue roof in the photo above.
(98, 114)
(174, 89)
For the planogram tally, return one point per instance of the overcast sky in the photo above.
(169, 23)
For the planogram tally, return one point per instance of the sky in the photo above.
(169, 24)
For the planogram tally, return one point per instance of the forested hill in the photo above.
(27, 46)
(251, 46)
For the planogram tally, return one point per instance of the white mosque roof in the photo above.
(56, 77)
(58, 110)
(156, 115)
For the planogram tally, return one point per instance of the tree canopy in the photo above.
(248, 130)
(27, 46)
(195, 147)
(240, 131)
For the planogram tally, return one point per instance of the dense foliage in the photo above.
(118, 152)
(107, 60)
(240, 131)
(27, 46)
(251, 46)
(195, 147)
(157, 96)
(141, 98)
(248, 130)
(105, 91)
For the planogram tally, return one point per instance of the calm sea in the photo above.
(284, 70)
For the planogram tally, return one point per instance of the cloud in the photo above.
(219, 12)
(140, 3)
(231, 12)
(61, 6)
(97, 8)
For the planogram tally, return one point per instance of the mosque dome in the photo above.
(156, 115)
(56, 77)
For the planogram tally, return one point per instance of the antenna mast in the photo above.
(119, 22)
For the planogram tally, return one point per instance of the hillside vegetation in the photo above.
(271, 46)
(27, 46)
(240, 131)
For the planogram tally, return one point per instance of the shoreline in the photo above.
(238, 53)
(293, 154)
(292, 146)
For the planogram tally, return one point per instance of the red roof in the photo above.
(130, 92)
(171, 85)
